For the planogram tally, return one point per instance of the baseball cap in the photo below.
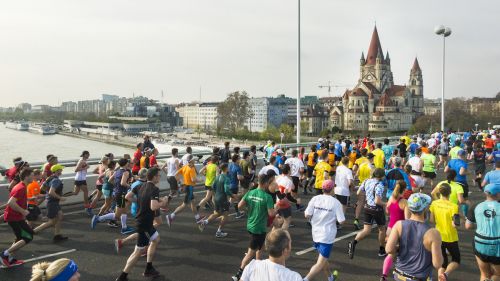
(279, 151)
(492, 188)
(370, 155)
(461, 152)
(418, 202)
(327, 185)
(56, 167)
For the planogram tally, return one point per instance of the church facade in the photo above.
(376, 104)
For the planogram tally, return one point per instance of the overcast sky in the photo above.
(54, 51)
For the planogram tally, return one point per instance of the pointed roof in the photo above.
(387, 56)
(385, 100)
(374, 49)
(362, 56)
(416, 66)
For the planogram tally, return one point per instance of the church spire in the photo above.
(374, 49)
(362, 60)
(416, 66)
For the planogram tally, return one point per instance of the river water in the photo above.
(35, 147)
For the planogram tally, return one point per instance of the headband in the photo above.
(67, 273)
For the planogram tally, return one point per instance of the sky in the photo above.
(67, 50)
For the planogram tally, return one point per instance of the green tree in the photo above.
(234, 111)
(325, 132)
(289, 132)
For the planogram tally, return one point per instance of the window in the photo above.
(414, 82)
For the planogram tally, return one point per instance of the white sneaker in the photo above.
(220, 234)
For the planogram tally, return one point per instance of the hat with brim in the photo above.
(492, 188)
(56, 168)
(418, 202)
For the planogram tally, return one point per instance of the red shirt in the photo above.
(18, 192)
(152, 161)
(489, 143)
(137, 161)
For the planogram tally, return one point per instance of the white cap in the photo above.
(279, 151)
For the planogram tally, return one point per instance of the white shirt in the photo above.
(342, 177)
(264, 169)
(295, 165)
(172, 166)
(325, 211)
(415, 164)
(431, 142)
(185, 159)
(266, 270)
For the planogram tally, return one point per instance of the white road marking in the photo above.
(336, 240)
(46, 256)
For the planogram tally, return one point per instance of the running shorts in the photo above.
(34, 212)
(188, 196)
(257, 241)
(172, 181)
(310, 170)
(99, 187)
(286, 212)
(80, 183)
(22, 231)
(323, 249)
(120, 200)
(344, 200)
(374, 215)
(146, 236)
(209, 188)
(222, 207)
(430, 175)
(465, 187)
(452, 248)
(485, 258)
(107, 193)
(296, 183)
(53, 209)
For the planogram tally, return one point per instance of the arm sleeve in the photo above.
(291, 198)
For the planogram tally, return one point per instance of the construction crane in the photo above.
(330, 86)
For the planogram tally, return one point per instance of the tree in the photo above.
(289, 132)
(234, 111)
(324, 133)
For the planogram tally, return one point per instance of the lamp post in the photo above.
(476, 126)
(445, 32)
(298, 73)
(489, 126)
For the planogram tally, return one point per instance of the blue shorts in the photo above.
(323, 249)
(189, 196)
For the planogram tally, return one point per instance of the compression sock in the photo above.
(387, 265)
(106, 217)
(123, 220)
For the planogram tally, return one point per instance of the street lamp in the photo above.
(489, 125)
(476, 126)
(298, 73)
(445, 32)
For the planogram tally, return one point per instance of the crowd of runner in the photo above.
(391, 187)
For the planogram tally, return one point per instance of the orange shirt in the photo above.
(425, 150)
(489, 143)
(32, 190)
(189, 175)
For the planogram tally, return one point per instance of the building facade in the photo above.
(268, 111)
(199, 115)
(376, 103)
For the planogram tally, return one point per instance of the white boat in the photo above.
(20, 126)
(44, 129)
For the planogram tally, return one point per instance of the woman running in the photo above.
(397, 209)
(107, 189)
(81, 180)
(97, 193)
(478, 154)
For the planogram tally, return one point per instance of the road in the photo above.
(186, 254)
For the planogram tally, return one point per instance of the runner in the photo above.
(210, 172)
(270, 166)
(388, 150)
(312, 159)
(457, 191)
(253, 165)
(374, 211)
(122, 179)
(393, 176)
(15, 215)
(429, 166)
(397, 209)
(321, 172)
(324, 212)
(147, 143)
(137, 158)
(149, 201)
(443, 151)
(284, 197)
(81, 181)
(486, 238)
(454, 150)
(54, 211)
(362, 168)
(245, 171)
(145, 161)
(260, 206)
(344, 182)
(279, 246)
(58, 270)
(478, 154)
(97, 193)
(379, 159)
(492, 176)
(153, 162)
(171, 167)
(412, 148)
(225, 153)
(402, 147)
(296, 172)
(189, 174)
(222, 190)
(186, 157)
(446, 217)
(34, 198)
(417, 165)
(415, 262)
(108, 182)
(459, 165)
(51, 161)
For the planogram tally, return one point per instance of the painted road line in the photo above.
(336, 240)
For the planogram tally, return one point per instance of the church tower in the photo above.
(416, 87)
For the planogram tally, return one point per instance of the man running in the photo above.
(459, 165)
(149, 202)
(15, 215)
(296, 172)
(171, 167)
(210, 172)
(321, 172)
(344, 182)
(81, 180)
(136, 161)
(324, 212)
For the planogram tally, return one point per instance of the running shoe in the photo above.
(118, 245)
(383, 278)
(334, 276)
(90, 213)
(169, 220)
(152, 272)
(382, 253)
(128, 230)
(240, 215)
(59, 238)
(220, 234)
(301, 208)
(4, 260)
(120, 278)
(201, 225)
(350, 249)
(356, 224)
(94, 221)
(113, 224)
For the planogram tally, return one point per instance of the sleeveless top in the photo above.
(395, 213)
(82, 174)
(413, 258)
(118, 179)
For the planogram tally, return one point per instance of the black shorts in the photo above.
(296, 183)
(344, 200)
(257, 241)
(480, 168)
(22, 231)
(245, 183)
(80, 183)
(146, 236)
(53, 209)
(99, 187)
(285, 213)
(310, 170)
(469, 149)
(209, 188)
(338, 158)
(157, 213)
(485, 258)
(376, 216)
(444, 154)
(120, 200)
(34, 212)
(465, 187)
(222, 207)
(430, 175)
(172, 181)
(454, 251)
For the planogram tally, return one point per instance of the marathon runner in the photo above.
(81, 180)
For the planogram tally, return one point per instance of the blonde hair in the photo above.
(45, 271)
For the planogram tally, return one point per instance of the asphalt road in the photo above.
(186, 254)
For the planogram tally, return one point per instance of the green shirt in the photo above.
(454, 152)
(258, 203)
(244, 167)
(211, 172)
(429, 161)
(222, 188)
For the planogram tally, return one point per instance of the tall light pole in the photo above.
(445, 32)
(298, 74)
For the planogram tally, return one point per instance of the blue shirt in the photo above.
(338, 149)
(372, 188)
(387, 151)
(496, 156)
(493, 177)
(234, 171)
(279, 161)
(134, 207)
(413, 147)
(487, 219)
(269, 152)
(456, 164)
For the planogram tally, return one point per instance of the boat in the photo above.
(44, 129)
(20, 126)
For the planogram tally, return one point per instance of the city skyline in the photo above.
(124, 48)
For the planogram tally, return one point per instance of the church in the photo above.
(376, 104)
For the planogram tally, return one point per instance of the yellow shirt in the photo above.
(378, 161)
(211, 173)
(360, 161)
(455, 190)
(443, 211)
(352, 159)
(320, 169)
(365, 171)
(407, 140)
(189, 175)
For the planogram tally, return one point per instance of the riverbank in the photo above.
(102, 138)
